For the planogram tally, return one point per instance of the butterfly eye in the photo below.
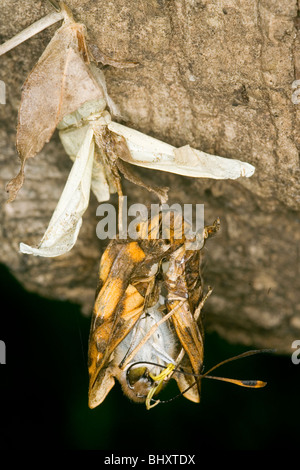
(135, 374)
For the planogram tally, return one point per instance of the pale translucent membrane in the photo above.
(77, 135)
(152, 153)
(64, 226)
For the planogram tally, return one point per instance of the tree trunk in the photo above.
(220, 76)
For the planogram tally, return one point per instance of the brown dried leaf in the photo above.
(59, 83)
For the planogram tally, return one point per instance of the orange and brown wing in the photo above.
(191, 340)
(184, 293)
(117, 307)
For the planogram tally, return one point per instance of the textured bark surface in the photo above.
(216, 75)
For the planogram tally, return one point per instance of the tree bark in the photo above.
(220, 76)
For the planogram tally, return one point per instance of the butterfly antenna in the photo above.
(239, 356)
(239, 382)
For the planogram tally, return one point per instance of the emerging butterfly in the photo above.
(66, 90)
(147, 318)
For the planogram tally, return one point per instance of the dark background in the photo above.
(44, 387)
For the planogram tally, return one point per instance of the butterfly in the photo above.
(147, 322)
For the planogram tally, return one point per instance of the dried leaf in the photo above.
(60, 83)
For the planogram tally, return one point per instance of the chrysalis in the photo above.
(65, 90)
